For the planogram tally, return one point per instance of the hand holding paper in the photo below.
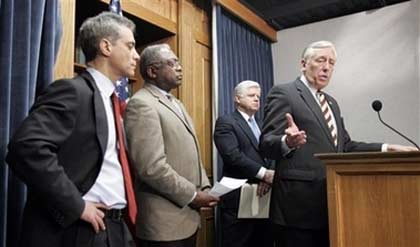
(226, 185)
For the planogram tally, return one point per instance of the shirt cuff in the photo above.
(261, 173)
(384, 147)
(192, 199)
(285, 149)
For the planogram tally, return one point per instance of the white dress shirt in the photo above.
(109, 185)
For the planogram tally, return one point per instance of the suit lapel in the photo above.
(165, 101)
(245, 127)
(310, 101)
(100, 114)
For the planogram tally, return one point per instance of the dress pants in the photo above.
(294, 237)
(81, 234)
(244, 232)
(188, 242)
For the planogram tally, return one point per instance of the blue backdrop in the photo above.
(30, 32)
(242, 54)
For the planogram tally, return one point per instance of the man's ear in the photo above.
(303, 63)
(105, 47)
(151, 72)
(237, 99)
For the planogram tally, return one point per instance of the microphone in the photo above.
(377, 106)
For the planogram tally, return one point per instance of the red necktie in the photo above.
(122, 155)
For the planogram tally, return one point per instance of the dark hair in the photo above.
(94, 29)
(151, 55)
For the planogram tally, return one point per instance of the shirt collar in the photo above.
(163, 92)
(104, 84)
(309, 86)
(245, 116)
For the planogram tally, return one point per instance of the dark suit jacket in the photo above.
(238, 148)
(299, 190)
(58, 152)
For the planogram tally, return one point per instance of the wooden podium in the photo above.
(373, 199)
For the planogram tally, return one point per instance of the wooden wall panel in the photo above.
(164, 8)
(65, 58)
(162, 13)
(194, 49)
(195, 55)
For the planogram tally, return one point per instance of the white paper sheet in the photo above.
(226, 185)
(253, 206)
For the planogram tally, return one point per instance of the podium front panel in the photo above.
(373, 202)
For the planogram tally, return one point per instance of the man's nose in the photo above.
(136, 55)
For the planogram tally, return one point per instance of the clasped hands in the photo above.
(204, 199)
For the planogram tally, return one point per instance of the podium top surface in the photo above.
(362, 157)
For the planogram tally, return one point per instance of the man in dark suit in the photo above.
(294, 129)
(66, 149)
(236, 137)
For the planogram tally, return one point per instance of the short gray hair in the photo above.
(244, 85)
(309, 51)
(150, 55)
(94, 29)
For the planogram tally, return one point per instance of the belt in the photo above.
(115, 214)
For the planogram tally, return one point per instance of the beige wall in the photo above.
(378, 58)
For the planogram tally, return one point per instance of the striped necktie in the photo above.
(326, 111)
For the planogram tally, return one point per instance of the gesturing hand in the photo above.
(94, 215)
(294, 137)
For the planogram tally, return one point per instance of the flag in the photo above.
(121, 90)
(122, 84)
(115, 7)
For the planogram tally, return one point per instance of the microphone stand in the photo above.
(380, 119)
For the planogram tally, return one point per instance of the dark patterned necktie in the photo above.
(326, 111)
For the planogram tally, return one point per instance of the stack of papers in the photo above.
(226, 185)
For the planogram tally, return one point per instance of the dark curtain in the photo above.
(242, 54)
(30, 32)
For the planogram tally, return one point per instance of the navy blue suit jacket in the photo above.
(238, 148)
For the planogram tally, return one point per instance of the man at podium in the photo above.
(301, 120)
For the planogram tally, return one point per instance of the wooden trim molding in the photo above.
(249, 17)
(65, 57)
(147, 15)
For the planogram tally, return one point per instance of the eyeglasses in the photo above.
(173, 63)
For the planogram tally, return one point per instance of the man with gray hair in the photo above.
(236, 137)
(300, 120)
(66, 150)
(172, 183)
